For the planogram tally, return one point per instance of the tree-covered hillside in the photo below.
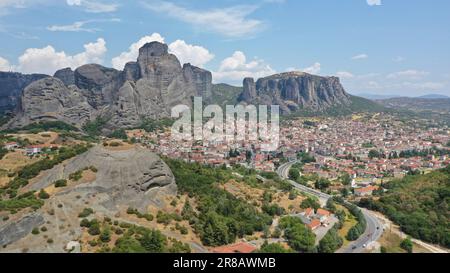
(419, 204)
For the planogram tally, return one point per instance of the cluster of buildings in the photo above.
(315, 219)
(29, 150)
(339, 145)
(344, 146)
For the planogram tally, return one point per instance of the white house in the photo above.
(11, 146)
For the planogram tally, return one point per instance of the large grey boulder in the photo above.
(50, 99)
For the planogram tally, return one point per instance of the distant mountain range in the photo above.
(371, 96)
(427, 103)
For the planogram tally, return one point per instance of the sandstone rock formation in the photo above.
(294, 91)
(126, 177)
(11, 87)
(148, 88)
(50, 99)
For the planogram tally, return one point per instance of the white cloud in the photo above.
(93, 6)
(231, 22)
(47, 60)
(15, 3)
(236, 68)
(79, 26)
(133, 51)
(4, 64)
(344, 75)
(360, 57)
(374, 2)
(186, 53)
(314, 69)
(411, 74)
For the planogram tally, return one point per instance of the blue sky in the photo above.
(374, 46)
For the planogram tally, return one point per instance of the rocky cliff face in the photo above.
(126, 177)
(11, 87)
(294, 91)
(50, 99)
(148, 88)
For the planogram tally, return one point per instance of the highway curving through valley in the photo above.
(374, 228)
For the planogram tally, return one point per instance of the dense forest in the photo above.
(419, 204)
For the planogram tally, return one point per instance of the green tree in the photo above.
(299, 237)
(294, 174)
(153, 241)
(310, 203)
(374, 154)
(273, 248)
(105, 236)
(331, 242)
(322, 184)
(43, 194)
(407, 245)
(346, 179)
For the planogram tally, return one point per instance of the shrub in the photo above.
(43, 194)
(61, 183)
(94, 228)
(105, 236)
(85, 213)
(85, 223)
(407, 245)
(76, 176)
(35, 231)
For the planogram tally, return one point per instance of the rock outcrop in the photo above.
(294, 91)
(50, 99)
(148, 88)
(11, 87)
(14, 231)
(125, 177)
(133, 177)
(66, 75)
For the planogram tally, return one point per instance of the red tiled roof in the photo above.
(323, 212)
(367, 189)
(235, 248)
(315, 223)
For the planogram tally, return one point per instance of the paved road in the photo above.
(374, 228)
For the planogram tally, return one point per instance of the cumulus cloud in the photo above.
(360, 57)
(93, 6)
(186, 53)
(4, 64)
(231, 22)
(374, 2)
(236, 68)
(313, 69)
(47, 60)
(133, 51)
